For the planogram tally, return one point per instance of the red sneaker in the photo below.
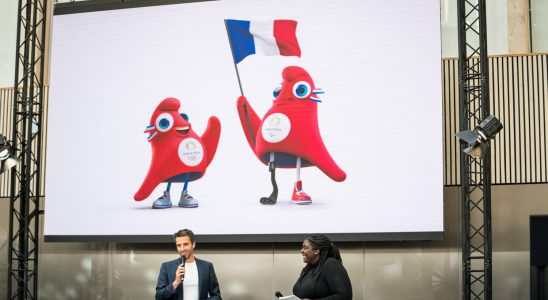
(299, 196)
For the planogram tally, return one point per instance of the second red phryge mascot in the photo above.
(288, 136)
(178, 153)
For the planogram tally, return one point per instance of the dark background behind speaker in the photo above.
(538, 229)
(539, 240)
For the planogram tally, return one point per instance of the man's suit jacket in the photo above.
(208, 284)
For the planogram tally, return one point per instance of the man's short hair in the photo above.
(184, 232)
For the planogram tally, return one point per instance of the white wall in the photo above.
(497, 28)
(8, 31)
(539, 25)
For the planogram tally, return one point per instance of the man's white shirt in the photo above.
(190, 284)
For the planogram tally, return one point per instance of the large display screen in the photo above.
(344, 97)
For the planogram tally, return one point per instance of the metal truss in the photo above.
(475, 172)
(27, 123)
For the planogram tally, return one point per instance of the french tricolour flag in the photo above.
(265, 38)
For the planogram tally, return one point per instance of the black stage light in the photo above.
(7, 159)
(478, 138)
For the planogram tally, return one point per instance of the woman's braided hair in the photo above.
(326, 248)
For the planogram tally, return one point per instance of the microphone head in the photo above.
(183, 261)
(278, 294)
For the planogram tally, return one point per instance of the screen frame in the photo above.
(104, 5)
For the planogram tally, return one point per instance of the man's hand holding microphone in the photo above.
(180, 273)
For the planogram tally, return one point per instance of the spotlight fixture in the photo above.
(478, 139)
(7, 159)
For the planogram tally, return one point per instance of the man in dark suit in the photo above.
(187, 277)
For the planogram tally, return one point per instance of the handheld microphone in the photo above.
(278, 294)
(183, 261)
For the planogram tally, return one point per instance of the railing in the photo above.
(518, 98)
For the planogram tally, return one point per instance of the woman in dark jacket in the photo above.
(324, 277)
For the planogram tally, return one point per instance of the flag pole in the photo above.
(234, 60)
(248, 121)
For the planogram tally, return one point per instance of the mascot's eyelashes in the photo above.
(301, 89)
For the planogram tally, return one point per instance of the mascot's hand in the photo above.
(249, 120)
(211, 137)
(241, 101)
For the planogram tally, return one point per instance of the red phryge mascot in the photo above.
(178, 153)
(288, 136)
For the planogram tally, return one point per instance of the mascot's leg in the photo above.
(274, 196)
(165, 200)
(187, 201)
(299, 196)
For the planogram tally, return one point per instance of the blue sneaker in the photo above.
(163, 202)
(187, 201)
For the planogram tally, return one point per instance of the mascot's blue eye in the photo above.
(301, 89)
(164, 122)
(277, 91)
